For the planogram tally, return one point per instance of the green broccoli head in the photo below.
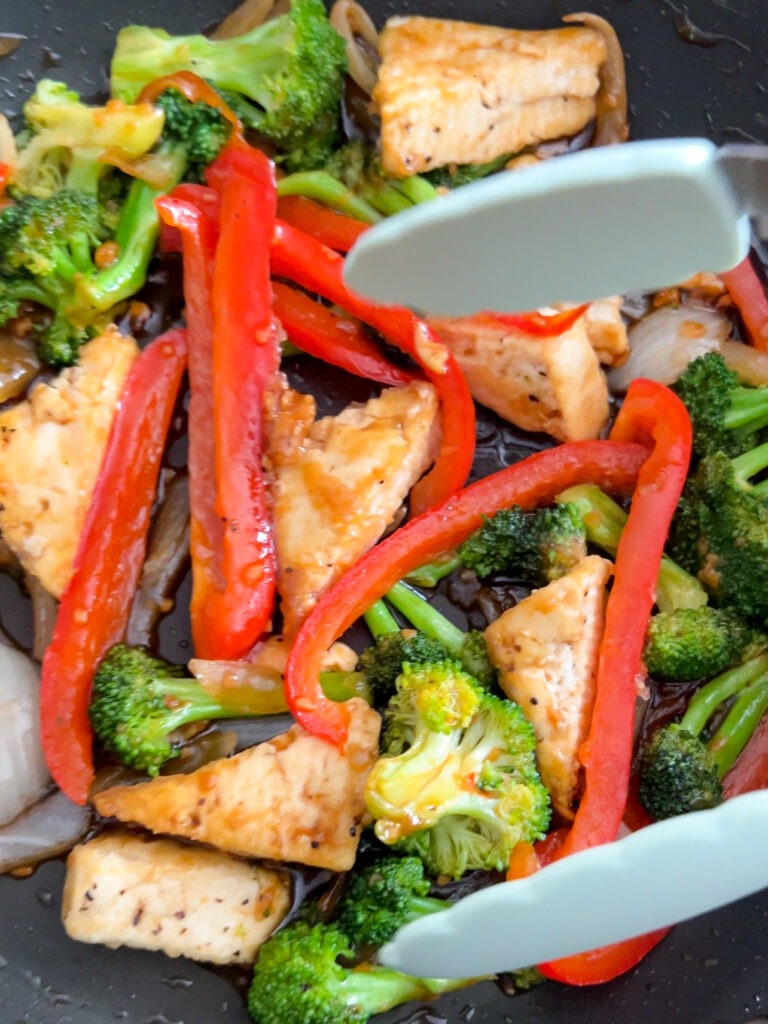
(678, 774)
(721, 528)
(298, 980)
(383, 662)
(290, 68)
(725, 416)
(138, 702)
(45, 251)
(382, 898)
(65, 138)
(198, 129)
(534, 547)
(694, 643)
(459, 786)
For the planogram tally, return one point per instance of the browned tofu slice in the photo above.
(123, 890)
(546, 650)
(51, 448)
(295, 798)
(553, 385)
(338, 482)
(455, 92)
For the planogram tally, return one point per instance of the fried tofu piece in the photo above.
(553, 385)
(124, 890)
(546, 650)
(606, 331)
(51, 449)
(452, 92)
(338, 482)
(295, 798)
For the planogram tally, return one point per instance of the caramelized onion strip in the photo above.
(354, 25)
(611, 124)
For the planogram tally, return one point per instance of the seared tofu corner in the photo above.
(295, 798)
(546, 649)
(51, 449)
(124, 890)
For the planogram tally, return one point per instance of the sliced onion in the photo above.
(47, 829)
(749, 363)
(23, 774)
(664, 342)
(168, 551)
(249, 14)
(611, 124)
(354, 25)
(45, 608)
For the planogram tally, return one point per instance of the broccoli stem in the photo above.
(341, 686)
(605, 520)
(380, 620)
(84, 172)
(136, 236)
(429, 575)
(709, 697)
(416, 189)
(384, 198)
(740, 722)
(375, 989)
(323, 187)
(750, 463)
(748, 409)
(425, 618)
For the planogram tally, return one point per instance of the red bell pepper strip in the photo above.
(94, 610)
(534, 481)
(339, 341)
(539, 325)
(5, 177)
(246, 357)
(603, 964)
(201, 198)
(196, 90)
(651, 414)
(326, 226)
(319, 269)
(750, 298)
(198, 233)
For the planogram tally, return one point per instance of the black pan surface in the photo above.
(696, 68)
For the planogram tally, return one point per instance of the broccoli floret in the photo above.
(536, 547)
(65, 138)
(382, 898)
(463, 174)
(725, 415)
(195, 130)
(680, 771)
(605, 520)
(382, 663)
(470, 648)
(298, 980)
(458, 784)
(45, 252)
(694, 643)
(290, 68)
(139, 702)
(721, 529)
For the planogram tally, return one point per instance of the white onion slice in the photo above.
(664, 342)
(23, 775)
(47, 829)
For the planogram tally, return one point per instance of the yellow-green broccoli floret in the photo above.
(458, 785)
